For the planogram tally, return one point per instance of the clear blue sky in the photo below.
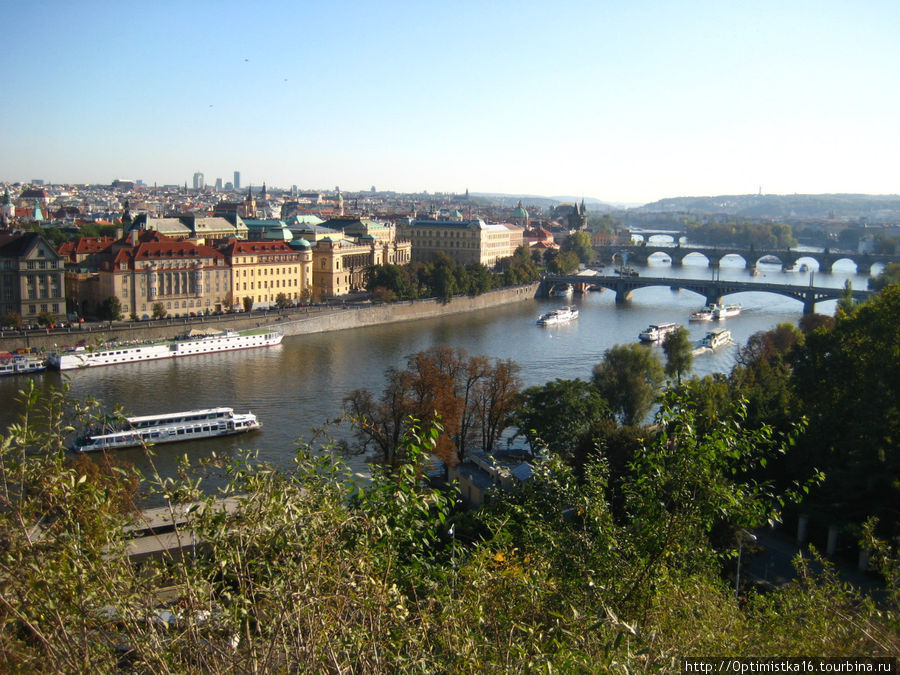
(625, 101)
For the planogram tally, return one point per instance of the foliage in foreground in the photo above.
(314, 572)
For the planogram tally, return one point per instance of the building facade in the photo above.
(32, 277)
(263, 270)
(146, 268)
(464, 241)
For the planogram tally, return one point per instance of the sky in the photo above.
(624, 101)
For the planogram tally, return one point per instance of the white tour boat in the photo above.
(657, 331)
(194, 342)
(704, 314)
(726, 311)
(561, 315)
(716, 338)
(167, 428)
(19, 364)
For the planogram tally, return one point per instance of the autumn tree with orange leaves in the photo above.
(470, 397)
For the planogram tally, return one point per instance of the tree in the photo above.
(248, 303)
(580, 244)
(629, 378)
(282, 301)
(470, 398)
(847, 381)
(159, 310)
(679, 352)
(564, 262)
(890, 275)
(46, 318)
(110, 309)
(13, 320)
(559, 414)
(846, 302)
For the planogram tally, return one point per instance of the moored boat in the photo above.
(657, 331)
(20, 364)
(188, 345)
(167, 428)
(561, 315)
(562, 290)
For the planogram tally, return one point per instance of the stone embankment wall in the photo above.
(295, 321)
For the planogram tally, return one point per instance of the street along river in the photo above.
(300, 384)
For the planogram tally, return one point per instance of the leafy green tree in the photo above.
(159, 310)
(563, 262)
(559, 414)
(46, 318)
(282, 301)
(110, 309)
(629, 378)
(890, 275)
(847, 381)
(846, 302)
(580, 244)
(679, 353)
(248, 303)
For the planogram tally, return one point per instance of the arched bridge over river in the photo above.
(713, 290)
(638, 254)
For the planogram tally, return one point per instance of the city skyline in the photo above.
(619, 102)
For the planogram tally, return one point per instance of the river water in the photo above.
(300, 384)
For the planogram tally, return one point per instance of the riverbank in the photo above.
(292, 321)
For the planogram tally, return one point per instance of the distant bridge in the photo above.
(713, 290)
(638, 254)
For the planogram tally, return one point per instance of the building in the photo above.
(237, 180)
(32, 277)
(464, 241)
(204, 229)
(145, 268)
(199, 182)
(263, 270)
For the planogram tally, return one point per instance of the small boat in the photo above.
(19, 364)
(704, 314)
(167, 428)
(562, 291)
(716, 338)
(561, 315)
(657, 331)
(726, 311)
(627, 272)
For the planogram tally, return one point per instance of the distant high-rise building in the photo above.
(237, 180)
(218, 183)
(199, 183)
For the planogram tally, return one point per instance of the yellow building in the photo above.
(263, 270)
(340, 264)
(464, 241)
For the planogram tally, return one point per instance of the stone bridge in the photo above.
(638, 254)
(713, 290)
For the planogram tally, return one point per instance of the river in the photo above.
(300, 384)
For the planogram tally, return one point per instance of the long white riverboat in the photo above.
(167, 428)
(656, 332)
(561, 315)
(191, 344)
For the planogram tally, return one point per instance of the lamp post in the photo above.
(741, 535)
